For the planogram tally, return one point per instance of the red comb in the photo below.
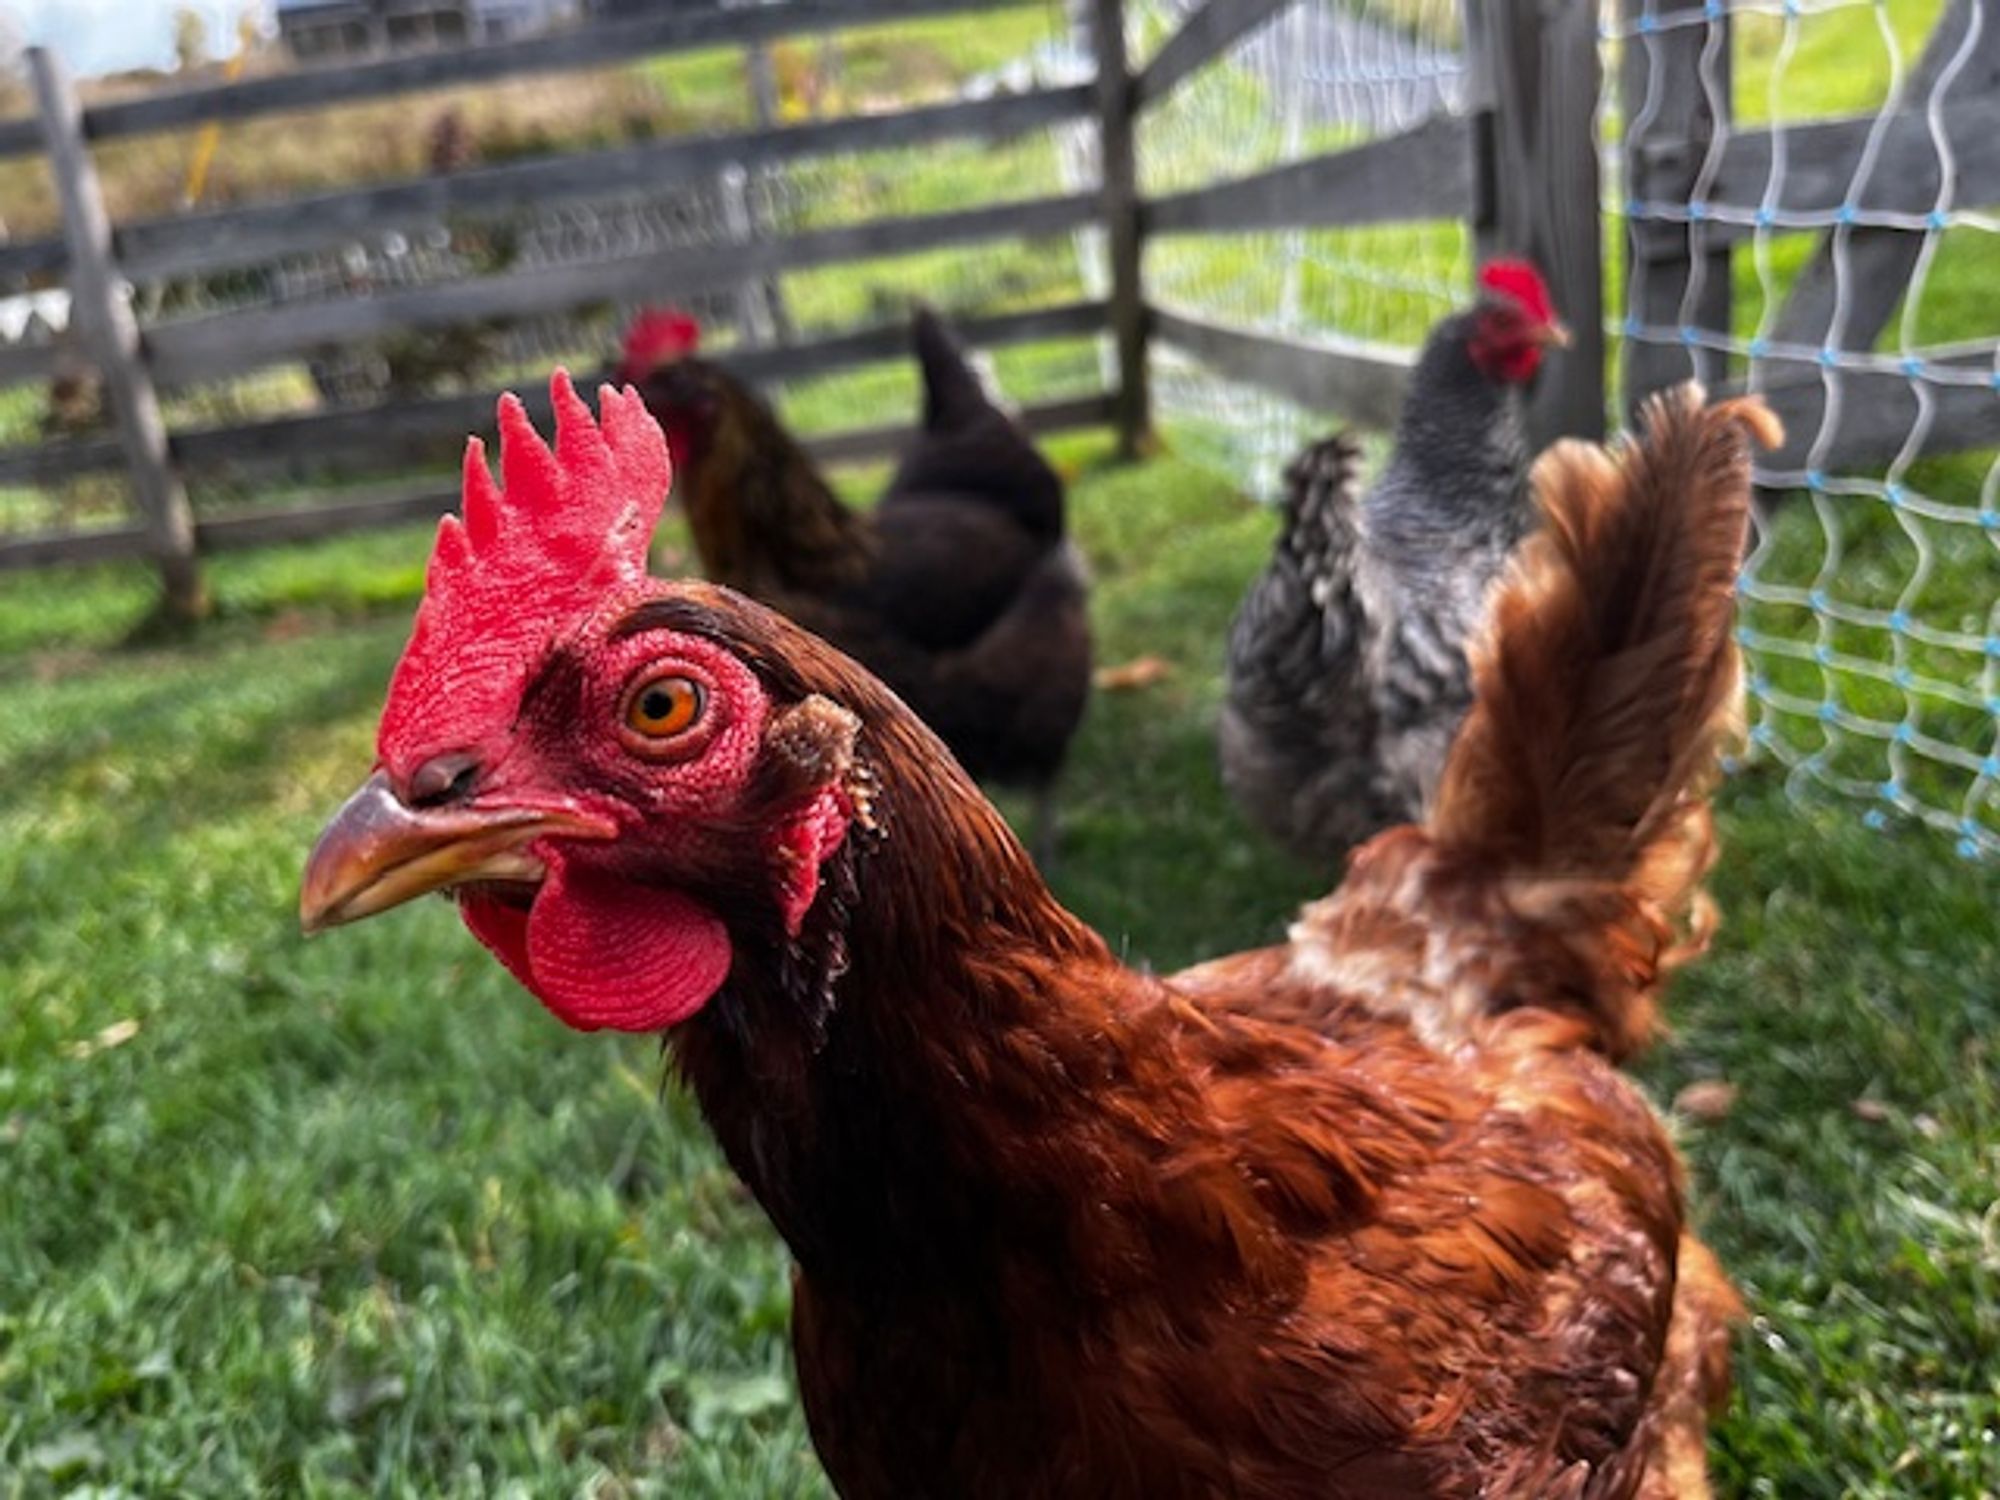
(660, 334)
(569, 526)
(1522, 282)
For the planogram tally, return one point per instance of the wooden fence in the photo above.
(1519, 163)
(98, 260)
(1448, 167)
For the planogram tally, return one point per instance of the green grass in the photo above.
(354, 1217)
(1839, 61)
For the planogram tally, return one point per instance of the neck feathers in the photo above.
(859, 1078)
(1461, 457)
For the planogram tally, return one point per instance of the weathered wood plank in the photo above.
(1878, 410)
(1358, 381)
(40, 257)
(1423, 173)
(1119, 186)
(1821, 159)
(1212, 30)
(24, 362)
(761, 312)
(263, 526)
(406, 432)
(1542, 199)
(54, 548)
(1846, 293)
(594, 45)
(1664, 97)
(240, 236)
(891, 341)
(207, 348)
(400, 504)
(20, 137)
(102, 314)
(48, 463)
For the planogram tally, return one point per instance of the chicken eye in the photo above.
(665, 706)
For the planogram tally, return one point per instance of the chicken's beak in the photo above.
(1553, 335)
(379, 852)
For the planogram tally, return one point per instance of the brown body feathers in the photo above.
(1367, 1214)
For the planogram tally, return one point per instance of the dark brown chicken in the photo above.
(1371, 1213)
(960, 589)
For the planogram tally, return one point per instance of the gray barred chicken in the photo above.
(1346, 674)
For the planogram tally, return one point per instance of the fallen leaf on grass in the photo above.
(53, 666)
(1708, 1100)
(117, 1034)
(287, 625)
(67, 1455)
(1874, 1111)
(1141, 672)
(662, 1442)
(354, 1399)
(716, 1401)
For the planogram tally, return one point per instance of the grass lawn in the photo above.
(355, 1217)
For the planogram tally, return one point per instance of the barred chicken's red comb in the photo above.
(659, 334)
(1522, 282)
(530, 555)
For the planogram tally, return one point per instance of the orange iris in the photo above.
(664, 706)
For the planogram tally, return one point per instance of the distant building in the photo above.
(317, 29)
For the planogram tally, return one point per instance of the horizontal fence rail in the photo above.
(1822, 184)
(1950, 406)
(599, 44)
(256, 232)
(24, 362)
(1363, 382)
(403, 432)
(1210, 31)
(232, 343)
(1425, 173)
(392, 505)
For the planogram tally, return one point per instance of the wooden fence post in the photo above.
(1536, 193)
(764, 317)
(1670, 122)
(101, 311)
(1121, 220)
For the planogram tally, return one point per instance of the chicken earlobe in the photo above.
(809, 760)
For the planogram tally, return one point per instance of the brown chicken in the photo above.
(1371, 1213)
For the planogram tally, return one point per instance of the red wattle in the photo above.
(601, 952)
(503, 928)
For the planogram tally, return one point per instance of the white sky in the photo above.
(107, 36)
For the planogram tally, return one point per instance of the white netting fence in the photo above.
(1324, 74)
(1871, 614)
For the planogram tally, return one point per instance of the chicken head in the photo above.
(570, 750)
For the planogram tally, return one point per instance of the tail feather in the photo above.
(1608, 680)
(953, 393)
(1560, 865)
